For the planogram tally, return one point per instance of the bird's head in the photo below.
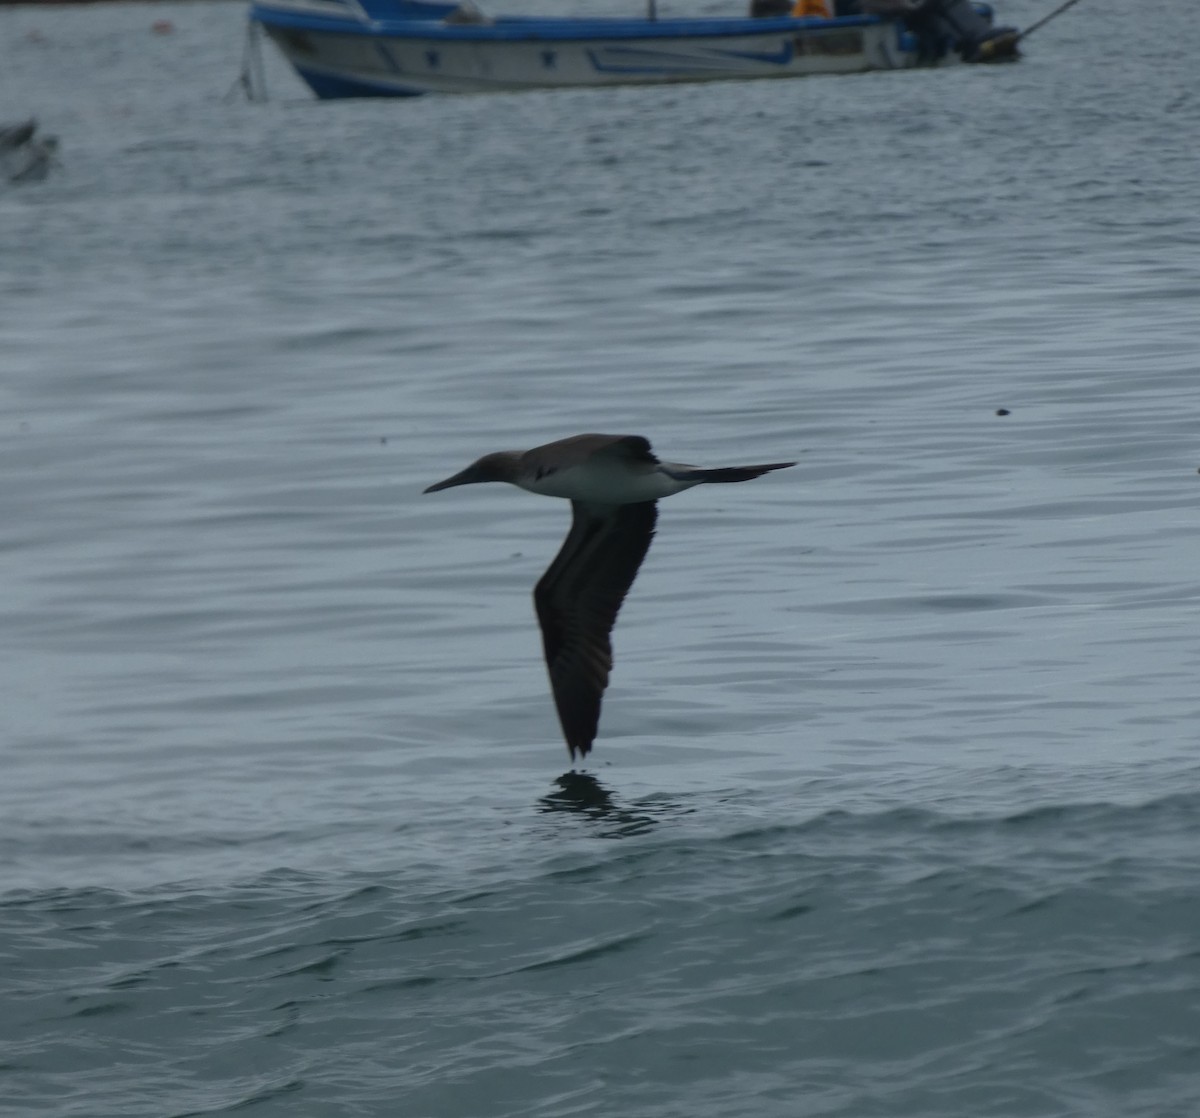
(500, 466)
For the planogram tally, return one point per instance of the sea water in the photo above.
(895, 805)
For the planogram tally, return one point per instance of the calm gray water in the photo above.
(896, 802)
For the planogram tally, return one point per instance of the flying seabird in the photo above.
(612, 482)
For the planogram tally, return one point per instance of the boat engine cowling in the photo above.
(964, 26)
(971, 29)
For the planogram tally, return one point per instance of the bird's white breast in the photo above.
(605, 483)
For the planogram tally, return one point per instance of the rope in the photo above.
(1046, 19)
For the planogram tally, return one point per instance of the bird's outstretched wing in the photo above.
(721, 473)
(577, 601)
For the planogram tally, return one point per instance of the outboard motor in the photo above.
(942, 25)
(975, 37)
(967, 26)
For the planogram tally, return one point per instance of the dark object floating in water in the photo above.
(613, 483)
(1003, 411)
(24, 155)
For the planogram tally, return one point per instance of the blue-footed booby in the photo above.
(612, 482)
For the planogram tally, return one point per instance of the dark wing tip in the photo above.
(725, 473)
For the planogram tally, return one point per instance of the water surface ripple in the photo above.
(896, 800)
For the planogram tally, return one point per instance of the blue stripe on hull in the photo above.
(328, 87)
(701, 60)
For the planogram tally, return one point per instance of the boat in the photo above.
(403, 48)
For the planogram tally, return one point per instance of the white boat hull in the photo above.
(343, 50)
(412, 64)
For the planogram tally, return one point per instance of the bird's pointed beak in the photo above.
(463, 477)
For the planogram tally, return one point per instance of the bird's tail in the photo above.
(722, 473)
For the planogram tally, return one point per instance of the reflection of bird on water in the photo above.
(579, 792)
(582, 794)
(24, 155)
(613, 483)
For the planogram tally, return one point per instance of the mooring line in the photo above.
(1046, 19)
